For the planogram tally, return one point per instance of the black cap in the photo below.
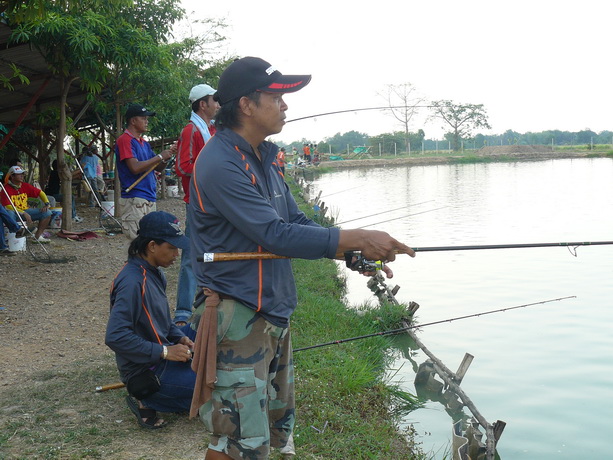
(250, 74)
(160, 225)
(136, 110)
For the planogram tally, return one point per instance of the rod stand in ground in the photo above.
(452, 381)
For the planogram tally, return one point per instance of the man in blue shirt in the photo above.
(135, 159)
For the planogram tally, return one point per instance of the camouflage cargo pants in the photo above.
(252, 407)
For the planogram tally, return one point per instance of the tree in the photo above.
(462, 118)
(19, 10)
(87, 41)
(404, 104)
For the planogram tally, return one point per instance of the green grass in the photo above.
(340, 387)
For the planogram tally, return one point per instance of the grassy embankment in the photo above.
(345, 409)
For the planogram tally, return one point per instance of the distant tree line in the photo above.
(391, 143)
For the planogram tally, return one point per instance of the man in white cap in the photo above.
(193, 137)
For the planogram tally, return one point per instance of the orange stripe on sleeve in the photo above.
(145, 306)
(200, 205)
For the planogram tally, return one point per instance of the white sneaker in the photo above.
(42, 239)
(78, 219)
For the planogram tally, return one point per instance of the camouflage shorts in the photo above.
(252, 407)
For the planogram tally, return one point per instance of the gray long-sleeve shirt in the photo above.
(241, 204)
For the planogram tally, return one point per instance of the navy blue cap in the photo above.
(137, 110)
(160, 225)
(249, 74)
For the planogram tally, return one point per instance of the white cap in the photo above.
(15, 170)
(200, 91)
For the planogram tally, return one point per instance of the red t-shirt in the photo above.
(19, 197)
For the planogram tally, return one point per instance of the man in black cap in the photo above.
(152, 353)
(134, 158)
(241, 203)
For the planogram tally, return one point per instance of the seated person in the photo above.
(153, 354)
(10, 223)
(53, 188)
(19, 191)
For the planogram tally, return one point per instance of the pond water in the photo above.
(545, 370)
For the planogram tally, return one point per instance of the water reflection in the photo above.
(547, 371)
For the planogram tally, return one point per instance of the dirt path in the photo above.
(56, 314)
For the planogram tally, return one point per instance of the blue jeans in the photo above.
(178, 380)
(35, 214)
(10, 222)
(186, 286)
(60, 198)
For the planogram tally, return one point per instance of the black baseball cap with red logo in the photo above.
(249, 74)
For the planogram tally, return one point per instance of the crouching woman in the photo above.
(153, 355)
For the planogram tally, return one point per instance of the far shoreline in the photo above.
(455, 158)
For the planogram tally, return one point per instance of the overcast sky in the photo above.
(534, 65)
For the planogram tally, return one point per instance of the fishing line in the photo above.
(404, 217)
(458, 318)
(382, 212)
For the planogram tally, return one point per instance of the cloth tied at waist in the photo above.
(204, 362)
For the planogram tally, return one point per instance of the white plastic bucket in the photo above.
(173, 190)
(108, 209)
(56, 221)
(14, 244)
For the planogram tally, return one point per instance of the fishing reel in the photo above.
(357, 262)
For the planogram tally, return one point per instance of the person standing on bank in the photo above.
(134, 157)
(191, 141)
(240, 203)
(152, 353)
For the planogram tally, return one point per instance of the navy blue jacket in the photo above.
(239, 204)
(139, 322)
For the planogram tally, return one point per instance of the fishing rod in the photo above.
(209, 257)
(572, 245)
(387, 107)
(114, 386)
(378, 213)
(449, 320)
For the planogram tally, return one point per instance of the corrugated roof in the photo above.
(32, 64)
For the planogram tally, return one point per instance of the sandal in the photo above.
(149, 415)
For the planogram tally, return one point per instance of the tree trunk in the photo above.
(63, 170)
